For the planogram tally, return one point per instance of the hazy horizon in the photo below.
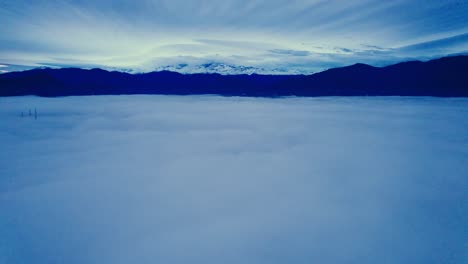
(234, 72)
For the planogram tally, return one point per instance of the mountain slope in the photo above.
(442, 77)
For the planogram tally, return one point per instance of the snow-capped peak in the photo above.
(220, 68)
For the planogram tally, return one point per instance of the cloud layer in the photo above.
(161, 179)
(147, 34)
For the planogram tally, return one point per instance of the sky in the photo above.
(267, 36)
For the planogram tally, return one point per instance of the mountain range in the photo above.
(444, 77)
(223, 69)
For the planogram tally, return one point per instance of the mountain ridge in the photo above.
(445, 77)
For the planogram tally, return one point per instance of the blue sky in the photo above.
(293, 36)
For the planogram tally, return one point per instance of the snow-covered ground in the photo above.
(207, 179)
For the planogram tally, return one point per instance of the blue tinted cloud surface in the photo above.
(294, 36)
(162, 179)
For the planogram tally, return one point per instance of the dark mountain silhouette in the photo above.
(445, 77)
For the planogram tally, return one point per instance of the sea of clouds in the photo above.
(207, 179)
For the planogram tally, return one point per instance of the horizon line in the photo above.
(462, 54)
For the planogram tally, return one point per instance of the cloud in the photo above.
(374, 47)
(3, 70)
(346, 50)
(440, 45)
(236, 44)
(290, 52)
(207, 179)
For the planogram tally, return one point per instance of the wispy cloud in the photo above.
(2, 68)
(444, 45)
(290, 52)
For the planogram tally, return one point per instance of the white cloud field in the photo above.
(208, 179)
